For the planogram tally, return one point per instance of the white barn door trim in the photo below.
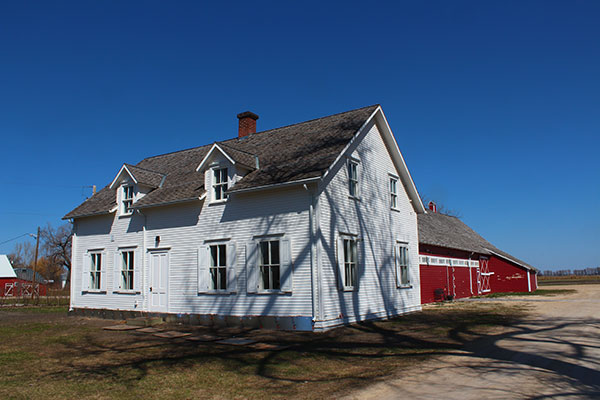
(159, 281)
(485, 275)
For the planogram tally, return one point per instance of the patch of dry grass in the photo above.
(50, 355)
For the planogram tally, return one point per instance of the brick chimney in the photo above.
(432, 206)
(247, 123)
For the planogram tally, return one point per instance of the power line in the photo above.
(10, 240)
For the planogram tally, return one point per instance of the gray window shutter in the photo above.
(137, 270)
(203, 275)
(252, 267)
(85, 272)
(397, 265)
(117, 272)
(409, 266)
(358, 179)
(285, 256)
(340, 262)
(231, 268)
(103, 273)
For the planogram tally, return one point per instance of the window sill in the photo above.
(349, 289)
(409, 286)
(218, 292)
(394, 209)
(126, 291)
(271, 292)
(125, 215)
(354, 198)
(217, 202)
(93, 291)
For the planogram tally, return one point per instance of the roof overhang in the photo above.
(512, 260)
(123, 170)
(215, 147)
(275, 185)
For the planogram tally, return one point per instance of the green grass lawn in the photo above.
(47, 354)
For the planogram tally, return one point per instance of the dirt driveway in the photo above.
(554, 354)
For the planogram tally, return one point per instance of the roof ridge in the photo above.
(307, 121)
(176, 151)
(261, 132)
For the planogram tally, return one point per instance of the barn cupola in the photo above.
(247, 123)
(432, 206)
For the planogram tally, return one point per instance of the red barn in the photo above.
(456, 262)
(18, 283)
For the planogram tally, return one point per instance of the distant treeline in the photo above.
(567, 272)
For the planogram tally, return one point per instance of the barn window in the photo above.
(127, 268)
(393, 193)
(95, 271)
(353, 178)
(219, 184)
(218, 266)
(402, 264)
(269, 265)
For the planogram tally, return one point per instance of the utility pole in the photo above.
(37, 245)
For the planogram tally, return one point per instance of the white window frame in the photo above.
(127, 270)
(218, 266)
(353, 178)
(393, 188)
(402, 258)
(127, 202)
(96, 269)
(350, 267)
(217, 183)
(270, 264)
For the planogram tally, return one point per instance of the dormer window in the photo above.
(126, 199)
(219, 184)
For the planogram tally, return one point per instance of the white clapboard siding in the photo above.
(185, 228)
(377, 228)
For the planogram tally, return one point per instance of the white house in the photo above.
(305, 227)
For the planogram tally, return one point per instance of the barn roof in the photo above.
(443, 230)
(27, 273)
(6, 269)
(291, 153)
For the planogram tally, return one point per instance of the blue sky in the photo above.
(495, 105)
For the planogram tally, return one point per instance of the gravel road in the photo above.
(554, 354)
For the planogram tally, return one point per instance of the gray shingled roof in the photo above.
(286, 154)
(446, 231)
(145, 177)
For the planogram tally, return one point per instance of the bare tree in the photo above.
(56, 245)
(22, 255)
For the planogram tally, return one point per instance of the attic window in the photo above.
(220, 182)
(127, 199)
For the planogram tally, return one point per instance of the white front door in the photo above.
(159, 281)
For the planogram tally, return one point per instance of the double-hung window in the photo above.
(347, 260)
(95, 271)
(393, 193)
(218, 266)
(350, 263)
(127, 199)
(219, 184)
(402, 264)
(127, 268)
(353, 178)
(269, 265)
